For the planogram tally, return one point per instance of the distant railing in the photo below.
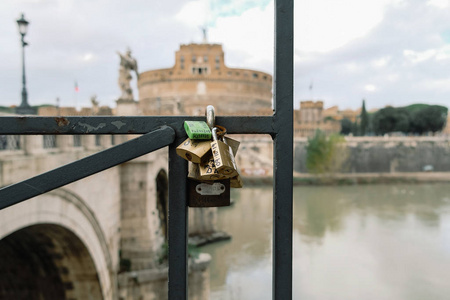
(49, 141)
(10, 142)
(77, 141)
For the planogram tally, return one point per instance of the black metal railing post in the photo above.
(178, 224)
(283, 150)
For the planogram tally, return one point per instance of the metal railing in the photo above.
(162, 131)
(10, 142)
(49, 141)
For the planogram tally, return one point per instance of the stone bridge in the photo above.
(102, 237)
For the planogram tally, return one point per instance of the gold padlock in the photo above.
(223, 156)
(193, 171)
(208, 171)
(232, 143)
(236, 182)
(194, 150)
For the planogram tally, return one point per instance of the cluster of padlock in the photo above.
(212, 166)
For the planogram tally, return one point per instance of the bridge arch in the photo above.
(57, 236)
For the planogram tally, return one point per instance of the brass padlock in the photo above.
(209, 194)
(236, 182)
(208, 171)
(194, 150)
(193, 171)
(223, 156)
(232, 143)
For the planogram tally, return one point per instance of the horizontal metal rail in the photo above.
(126, 125)
(85, 167)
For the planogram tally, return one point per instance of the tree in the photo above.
(429, 118)
(346, 126)
(326, 155)
(364, 124)
(392, 119)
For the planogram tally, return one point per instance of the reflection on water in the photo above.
(350, 242)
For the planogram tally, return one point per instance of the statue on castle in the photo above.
(127, 64)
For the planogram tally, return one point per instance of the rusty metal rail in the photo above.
(85, 167)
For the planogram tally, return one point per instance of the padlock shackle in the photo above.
(214, 134)
(210, 116)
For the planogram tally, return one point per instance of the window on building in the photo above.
(205, 58)
(200, 70)
(194, 58)
(255, 75)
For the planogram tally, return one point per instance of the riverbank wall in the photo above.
(387, 155)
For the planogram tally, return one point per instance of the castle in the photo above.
(199, 78)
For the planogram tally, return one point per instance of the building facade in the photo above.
(310, 117)
(200, 78)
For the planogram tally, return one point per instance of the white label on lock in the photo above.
(215, 189)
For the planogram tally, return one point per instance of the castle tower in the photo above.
(199, 78)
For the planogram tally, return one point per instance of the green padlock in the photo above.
(197, 130)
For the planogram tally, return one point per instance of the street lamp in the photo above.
(24, 108)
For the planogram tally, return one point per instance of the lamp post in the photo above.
(24, 108)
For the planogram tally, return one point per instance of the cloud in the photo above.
(441, 4)
(437, 54)
(404, 58)
(322, 25)
(370, 88)
(247, 38)
(400, 47)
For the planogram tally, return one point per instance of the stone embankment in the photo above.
(388, 155)
(370, 160)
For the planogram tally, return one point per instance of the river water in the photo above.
(350, 242)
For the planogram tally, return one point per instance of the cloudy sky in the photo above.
(389, 52)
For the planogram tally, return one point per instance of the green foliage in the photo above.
(346, 126)
(415, 107)
(7, 109)
(417, 119)
(193, 251)
(325, 155)
(163, 253)
(430, 118)
(391, 119)
(124, 263)
(364, 124)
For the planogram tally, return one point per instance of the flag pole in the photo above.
(76, 96)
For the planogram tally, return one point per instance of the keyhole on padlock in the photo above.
(228, 171)
(188, 156)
